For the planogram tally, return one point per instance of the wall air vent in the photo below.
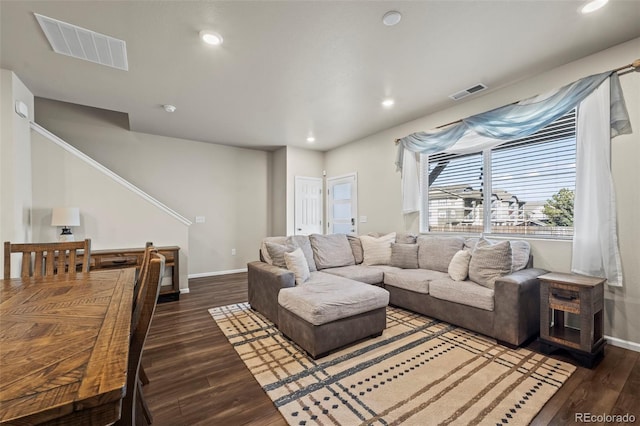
(466, 92)
(71, 40)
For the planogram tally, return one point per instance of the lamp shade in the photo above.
(65, 216)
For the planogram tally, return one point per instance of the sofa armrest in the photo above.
(517, 306)
(264, 284)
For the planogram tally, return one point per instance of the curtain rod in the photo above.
(625, 69)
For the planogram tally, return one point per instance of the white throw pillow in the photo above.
(377, 251)
(297, 263)
(459, 266)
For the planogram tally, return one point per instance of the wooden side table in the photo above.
(575, 294)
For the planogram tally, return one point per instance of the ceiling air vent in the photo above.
(81, 43)
(466, 92)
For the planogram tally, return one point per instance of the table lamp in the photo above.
(65, 217)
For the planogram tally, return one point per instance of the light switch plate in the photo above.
(199, 219)
(363, 219)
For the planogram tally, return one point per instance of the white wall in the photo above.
(110, 214)
(228, 186)
(279, 192)
(300, 162)
(15, 164)
(379, 195)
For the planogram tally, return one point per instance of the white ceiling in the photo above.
(288, 69)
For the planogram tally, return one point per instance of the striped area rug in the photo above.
(419, 372)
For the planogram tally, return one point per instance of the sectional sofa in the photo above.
(485, 286)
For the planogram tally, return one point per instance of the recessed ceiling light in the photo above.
(169, 108)
(391, 18)
(592, 6)
(388, 103)
(311, 139)
(211, 38)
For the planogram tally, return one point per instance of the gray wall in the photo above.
(226, 185)
(15, 164)
(379, 195)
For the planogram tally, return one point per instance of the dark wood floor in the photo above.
(198, 379)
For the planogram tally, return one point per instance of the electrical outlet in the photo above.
(233, 252)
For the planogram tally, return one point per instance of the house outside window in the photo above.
(523, 187)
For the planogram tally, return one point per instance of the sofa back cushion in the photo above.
(331, 251)
(435, 253)
(303, 242)
(404, 256)
(490, 262)
(406, 238)
(377, 251)
(520, 251)
(264, 253)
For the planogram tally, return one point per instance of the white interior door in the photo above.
(342, 204)
(308, 205)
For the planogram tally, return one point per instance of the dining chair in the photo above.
(144, 267)
(48, 258)
(134, 409)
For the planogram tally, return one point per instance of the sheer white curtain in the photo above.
(595, 239)
(410, 182)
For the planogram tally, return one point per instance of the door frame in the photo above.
(354, 200)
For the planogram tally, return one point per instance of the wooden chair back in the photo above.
(48, 258)
(132, 405)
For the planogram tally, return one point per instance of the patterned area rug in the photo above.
(419, 372)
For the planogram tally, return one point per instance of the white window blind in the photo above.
(532, 181)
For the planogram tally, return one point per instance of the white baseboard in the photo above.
(184, 290)
(213, 274)
(614, 341)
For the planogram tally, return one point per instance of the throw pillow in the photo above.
(404, 256)
(297, 263)
(406, 238)
(264, 254)
(490, 262)
(377, 251)
(356, 248)
(331, 251)
(302, 241)
(276, 253)
(459, 266)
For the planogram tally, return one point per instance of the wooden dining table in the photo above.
(64, 343)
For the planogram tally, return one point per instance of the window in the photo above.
(531, 183)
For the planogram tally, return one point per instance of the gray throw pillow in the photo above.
(277, 251)
(331, 251)
(404, 256)
(356, 248)
(490, 262)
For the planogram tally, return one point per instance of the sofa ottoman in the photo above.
(331, 312)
